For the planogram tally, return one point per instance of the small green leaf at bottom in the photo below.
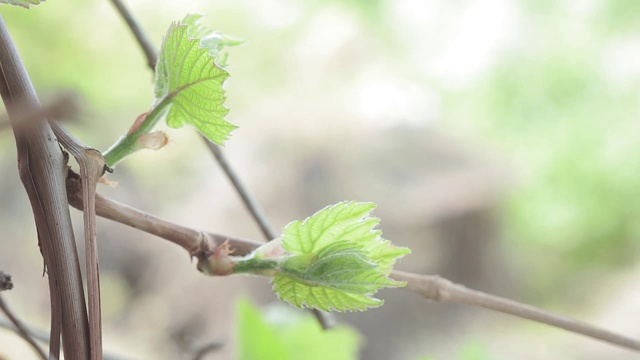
(278, 332)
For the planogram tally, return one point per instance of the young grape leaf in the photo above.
(24, 3)
(337, 260)
(189, 85)
(341, 266)
(213, 40)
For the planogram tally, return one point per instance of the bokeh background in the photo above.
(500, 140)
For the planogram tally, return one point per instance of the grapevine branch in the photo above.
(250, 201)
(439, 289)
(42, 167)
(431, 287)
(92, 167)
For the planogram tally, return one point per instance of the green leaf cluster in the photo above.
(188, 87)
(283, 335)
(337, 260)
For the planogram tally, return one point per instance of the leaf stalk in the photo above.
(128, 144)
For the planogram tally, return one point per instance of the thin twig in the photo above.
(439, 289)
(249, 201)
(325, 320)
(431, 287)
(41, 335)
(20, 328)
(141, 38)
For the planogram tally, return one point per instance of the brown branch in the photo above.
(193, 241)
(42, 169)
(431, 287)
(436, 288)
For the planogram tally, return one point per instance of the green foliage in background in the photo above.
(570, 126)
(286, 334)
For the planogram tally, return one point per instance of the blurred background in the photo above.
(500, 140)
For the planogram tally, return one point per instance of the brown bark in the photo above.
(42, 168)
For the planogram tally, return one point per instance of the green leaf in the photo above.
(337, 260)
(189, 85)
(340, 266)
(342, 221)
(304, 333)
(24, 3)
(322, 298)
